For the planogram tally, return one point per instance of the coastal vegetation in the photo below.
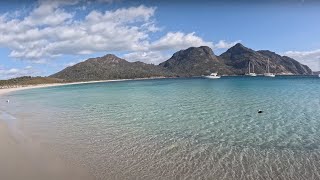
(28, 80)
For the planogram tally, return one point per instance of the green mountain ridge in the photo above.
(110, 67)
(194, 61)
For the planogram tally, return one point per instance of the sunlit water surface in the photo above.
(179, 128)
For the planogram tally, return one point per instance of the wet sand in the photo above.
(20, 160)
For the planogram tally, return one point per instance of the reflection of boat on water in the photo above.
(251, 73)
(268, 74)
(213, 76)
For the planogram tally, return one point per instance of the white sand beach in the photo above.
(18, 88)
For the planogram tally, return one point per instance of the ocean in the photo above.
(184, 128)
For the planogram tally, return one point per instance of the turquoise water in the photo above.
(180, 128)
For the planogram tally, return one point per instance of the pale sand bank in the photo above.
(17, 88)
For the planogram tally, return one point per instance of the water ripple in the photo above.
(181, 128)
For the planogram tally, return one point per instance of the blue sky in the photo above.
(43, 37)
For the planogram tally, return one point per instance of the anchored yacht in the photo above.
(251, 73)
(268, 74)
(213, 76)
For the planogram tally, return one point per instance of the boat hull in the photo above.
(252, 74)
(212, 77)
(269, 75)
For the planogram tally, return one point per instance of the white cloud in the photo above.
(222, 44)
(28, 67)
(178, 41)
(173, 41)
(310, 58)
(15, 72)
(48, 13)
(108, 1)
(50, 31)
(151, 57)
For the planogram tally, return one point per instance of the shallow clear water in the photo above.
(180, 128)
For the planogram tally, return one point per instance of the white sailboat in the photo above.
(213, 76)
(268, 74)
(251, 73)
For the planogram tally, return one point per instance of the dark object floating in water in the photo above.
(7, 101)
(259, 111)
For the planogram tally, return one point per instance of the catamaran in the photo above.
(213, 76)
(268, 74)
(251, 73)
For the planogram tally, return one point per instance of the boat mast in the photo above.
(268, 66)
(252, 68)
(249, 67)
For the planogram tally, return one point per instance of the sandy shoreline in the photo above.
(22, 159)
(18, 88)
(26, 160)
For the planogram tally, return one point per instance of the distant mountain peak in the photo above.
(239, 45)
(238, 57)
(204, 50)
(239, 48)
(194, 61)
(110, 56)
(110, 67)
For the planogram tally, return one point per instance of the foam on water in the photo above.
(181, 128)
